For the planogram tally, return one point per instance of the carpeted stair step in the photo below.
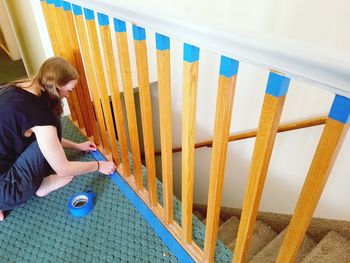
(228, 230)
(332, 248)
(270, 252)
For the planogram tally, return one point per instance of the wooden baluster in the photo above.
(124, 62)
(49, 14)
(101, 80)
(89, 117)
(271, 111)
(65, 50)
(77, 93)
(139, 35)
(189, 97)
(114, 89)
(326, 153)
(164, 91)
(90, 73)
(224, 105)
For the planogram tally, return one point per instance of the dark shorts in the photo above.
(24, 178)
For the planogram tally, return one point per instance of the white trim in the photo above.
(328, 73)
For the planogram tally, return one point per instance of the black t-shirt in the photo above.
(20, 110)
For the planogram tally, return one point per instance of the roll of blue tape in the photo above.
(80, 204)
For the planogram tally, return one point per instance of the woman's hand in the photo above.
(87, 146)
(106, 167)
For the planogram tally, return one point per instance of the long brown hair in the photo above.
(54, 73)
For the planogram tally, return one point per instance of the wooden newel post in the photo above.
(327, 150)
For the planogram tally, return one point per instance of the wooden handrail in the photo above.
(290, 126)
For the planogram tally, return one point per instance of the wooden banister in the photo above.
(289, 126)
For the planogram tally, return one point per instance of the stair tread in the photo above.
(270, 252)
(228, 230)
(332, 248)
(198, 215)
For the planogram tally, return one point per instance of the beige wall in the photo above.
(31, 32)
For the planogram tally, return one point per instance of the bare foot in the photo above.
(2, 216)
(52, 183)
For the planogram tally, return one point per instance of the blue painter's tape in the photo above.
(102, 19)
(138, 33)
(148, 215)
(58, 3)
(340, 110)
(162, 42)
(191, 53)
(228, 67)
(50, 2)
(89, 14)
(66, 6)
(80, 204)
(277, 85)
(77, 10)
(119, 25)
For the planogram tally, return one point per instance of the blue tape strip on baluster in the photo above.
(138, 33)
(162, 42)
(340, 110)
(89, 14)
(277, 85)
(119, 25)
(66, 6)
(148, 215)
(102, 19)
(77, 10)
(50, 2)
(228, 67)
(58, 3)
(191, 53)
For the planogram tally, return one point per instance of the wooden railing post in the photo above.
(90, 73)
(114, 90)
(327, 150)
(124, 62)
(90, 119)
(189, 99)
(224, 105)
(165, 118)
(139, 35)
(101, 81)
(276, 91)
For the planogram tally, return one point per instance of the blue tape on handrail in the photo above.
(191, 53)
(102, 19)
(119, 25)
(50, 2)
(340, 110)
(77, 10)
(89, 14)
(277, 85)
(148, 215)
(162, 42)
(228, 67)
(138, 33)
(58, 3)
(66, 6)
(80, 204)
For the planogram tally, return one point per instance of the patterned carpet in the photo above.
(43, 231)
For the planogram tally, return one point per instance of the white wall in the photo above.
(317, 27)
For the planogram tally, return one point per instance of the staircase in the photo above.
(266, 241)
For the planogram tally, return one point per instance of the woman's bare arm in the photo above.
(53, 152)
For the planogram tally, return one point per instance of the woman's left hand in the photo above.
(86, 146)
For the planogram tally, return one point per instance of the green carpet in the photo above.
(43, 231)
(10, 70)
